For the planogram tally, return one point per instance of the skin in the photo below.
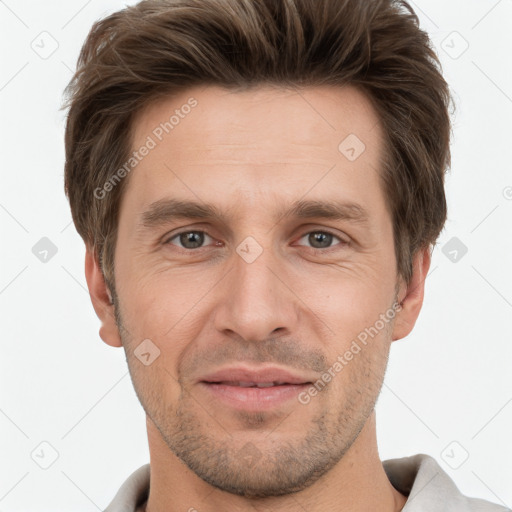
(251, 153)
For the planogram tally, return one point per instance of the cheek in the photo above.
(346, 301)
(160, 297)
(156, 384)
(168, 310)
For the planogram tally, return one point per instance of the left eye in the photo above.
(321, 239)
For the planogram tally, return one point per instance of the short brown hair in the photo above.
(157, 47)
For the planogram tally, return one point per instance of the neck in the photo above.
(357, 483)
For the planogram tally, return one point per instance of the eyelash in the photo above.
(343, 243)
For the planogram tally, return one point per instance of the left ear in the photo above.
(411, 295)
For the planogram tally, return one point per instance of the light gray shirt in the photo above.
(419, 477)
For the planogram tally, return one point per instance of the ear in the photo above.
(411, 296)
(101, 299)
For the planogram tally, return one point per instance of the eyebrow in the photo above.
(164, 211)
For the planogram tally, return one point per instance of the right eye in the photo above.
(189, 240)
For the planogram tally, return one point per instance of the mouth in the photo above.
(248, 389)
(242, 384)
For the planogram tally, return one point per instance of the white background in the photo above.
(449, 381)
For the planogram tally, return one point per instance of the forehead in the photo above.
(264, 142)
(221, 116)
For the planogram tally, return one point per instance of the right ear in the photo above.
(101, 299)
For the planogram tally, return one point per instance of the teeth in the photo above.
(249, 384)
(255, 384)
(246, 384)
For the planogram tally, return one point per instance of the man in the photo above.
(259, 185)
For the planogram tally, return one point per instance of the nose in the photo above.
(256, 301)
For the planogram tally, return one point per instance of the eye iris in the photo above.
(325, 239)
(194, 237)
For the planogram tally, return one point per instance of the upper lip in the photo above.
(256, 375)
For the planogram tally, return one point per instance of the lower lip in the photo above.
(253, 398)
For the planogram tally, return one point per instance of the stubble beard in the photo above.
(276, 465)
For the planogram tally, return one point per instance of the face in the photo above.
(256, 297)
